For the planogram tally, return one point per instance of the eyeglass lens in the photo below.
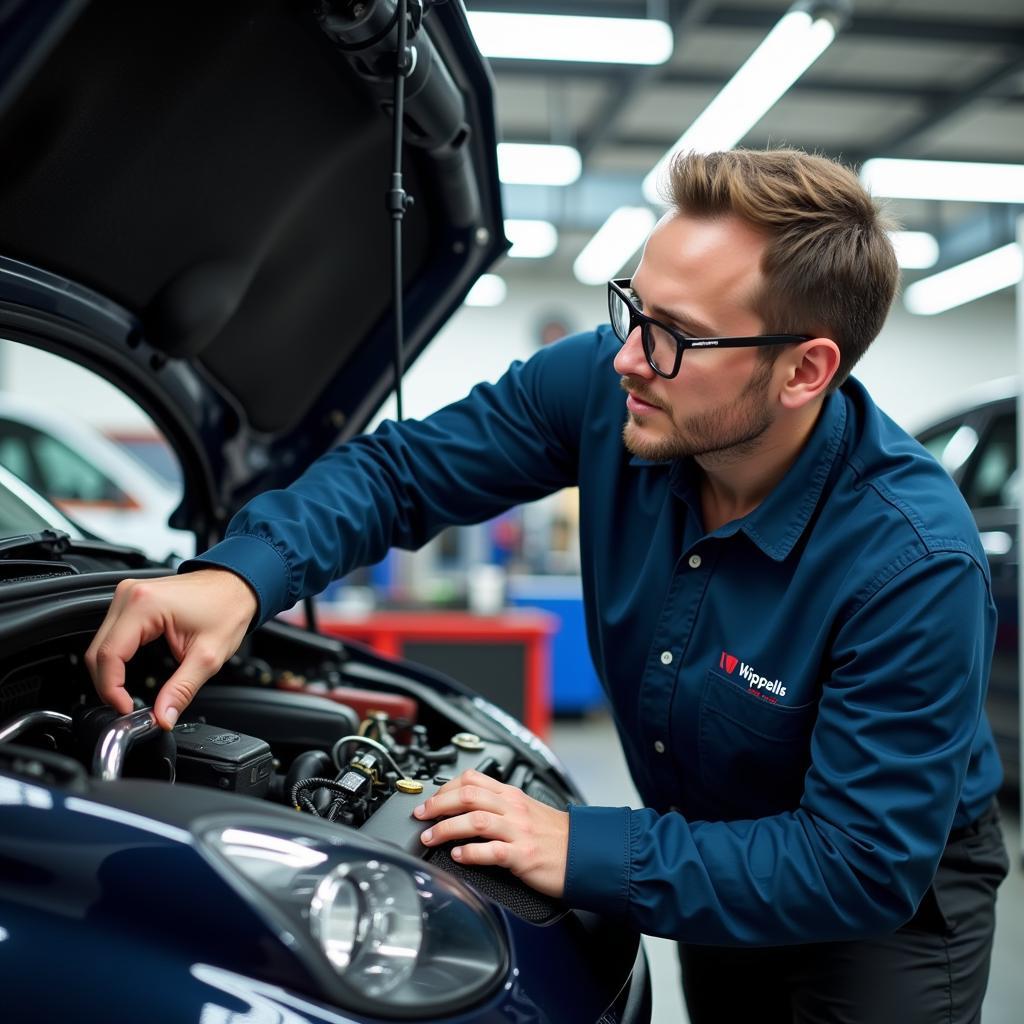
(659, 346)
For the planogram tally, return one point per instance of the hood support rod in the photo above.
(398, 200)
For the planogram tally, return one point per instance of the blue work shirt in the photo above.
(799, 692)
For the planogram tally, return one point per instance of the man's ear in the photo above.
(809, 368)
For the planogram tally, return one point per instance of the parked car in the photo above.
(193, 206)
(977, 444)
(151, 450)
(90, 477)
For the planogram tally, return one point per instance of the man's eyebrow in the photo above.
(687, 324)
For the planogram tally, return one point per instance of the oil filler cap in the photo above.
(468, 741)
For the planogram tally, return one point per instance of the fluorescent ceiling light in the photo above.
(966, 282)
(531, 239)
(489, 290)
(792, 46)
(615, 241)
(563, 37)
(944, 179)
(521, 163)
(915, 250)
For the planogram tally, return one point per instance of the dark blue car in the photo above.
(977, 444)
(192, 205)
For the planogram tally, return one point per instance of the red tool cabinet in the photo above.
(506, 657)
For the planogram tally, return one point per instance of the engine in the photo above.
(294, 719)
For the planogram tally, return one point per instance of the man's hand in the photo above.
(204, 616)
(529, 838)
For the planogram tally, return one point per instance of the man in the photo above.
(786, 598)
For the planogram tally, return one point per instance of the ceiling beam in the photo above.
(855, 87)
(618, 100)
(941, 110)
(853, 155)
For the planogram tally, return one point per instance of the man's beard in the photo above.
(728, 432)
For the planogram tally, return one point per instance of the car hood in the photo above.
(193, 206)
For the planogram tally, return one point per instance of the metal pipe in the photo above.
(117, 738)
(13, 729)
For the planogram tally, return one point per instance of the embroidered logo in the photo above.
(758, 684)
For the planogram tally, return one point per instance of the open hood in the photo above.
(192, 204)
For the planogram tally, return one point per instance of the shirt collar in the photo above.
(778, 522)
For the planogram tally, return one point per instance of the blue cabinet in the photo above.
(575, 688)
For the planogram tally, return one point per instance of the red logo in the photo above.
(728, 662)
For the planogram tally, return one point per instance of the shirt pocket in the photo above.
(754, 754)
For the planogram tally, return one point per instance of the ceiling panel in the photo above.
(832, 123)
(937, 64)
(982, 10)
(997, 131)
(548, 109)
(663, 111)
(721, 50)
(632, 159)
(904, 78)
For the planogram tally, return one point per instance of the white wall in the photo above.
(920, 365)
(478, 343)
(63, 385)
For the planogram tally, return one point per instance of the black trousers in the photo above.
(934, 969)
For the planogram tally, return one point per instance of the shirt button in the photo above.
(659, 746)
(695, 561)
(666, 657)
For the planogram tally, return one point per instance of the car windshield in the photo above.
(24, 511)
(61, 427)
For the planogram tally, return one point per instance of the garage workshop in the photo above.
(509, 511)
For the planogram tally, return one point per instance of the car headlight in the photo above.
(368, 921)
(386, 934)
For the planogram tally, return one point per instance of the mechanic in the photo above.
(787, 603)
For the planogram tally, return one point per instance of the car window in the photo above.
(152, 452)
(14, 453)
(993, 479)
(51, 467)
(952, 445)
(66, 476)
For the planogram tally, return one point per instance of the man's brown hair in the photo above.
(829, 268)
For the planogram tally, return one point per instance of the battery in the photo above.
(211, 756)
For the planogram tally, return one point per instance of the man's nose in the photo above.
(630, 360)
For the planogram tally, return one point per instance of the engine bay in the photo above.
(294, 718)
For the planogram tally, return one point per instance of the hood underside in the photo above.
(217, 174)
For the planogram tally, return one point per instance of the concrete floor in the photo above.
(591, 752)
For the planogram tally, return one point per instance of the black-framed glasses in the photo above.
(664, 346)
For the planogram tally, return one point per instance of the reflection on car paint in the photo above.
(159, 828)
